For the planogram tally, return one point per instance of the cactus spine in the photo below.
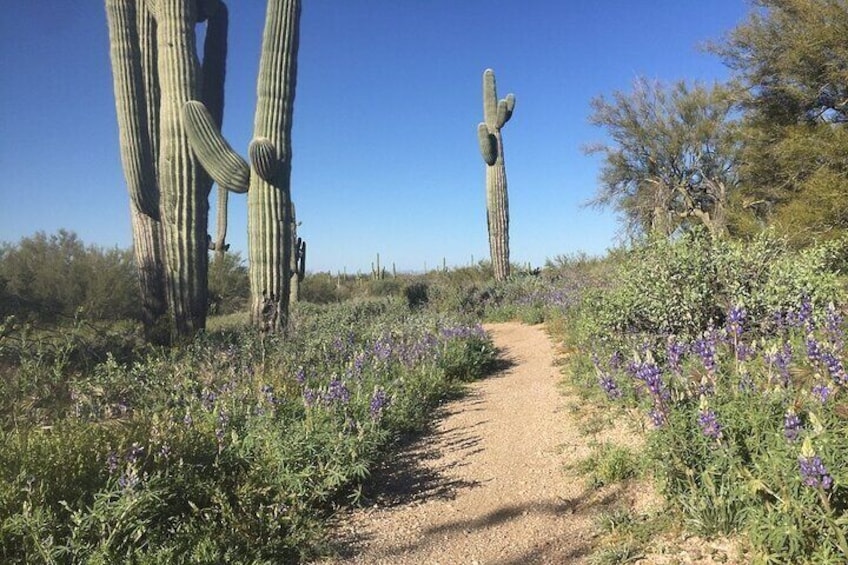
(496, 113)
(269, 172)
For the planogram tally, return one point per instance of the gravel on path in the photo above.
(487, 485)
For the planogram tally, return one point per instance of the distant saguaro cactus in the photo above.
(298, 260)
(155, 70)
(267, 178)
(496, 113)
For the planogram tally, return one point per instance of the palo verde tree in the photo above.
(155, 71)
(496, 114)
(791, 58)
(671, 159)
(267, 177)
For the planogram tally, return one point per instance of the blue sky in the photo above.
(385, 156)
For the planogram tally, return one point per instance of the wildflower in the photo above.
(675, 351)
(805, 314)
(710, 427)
(657, 417)
(834, 367)
(309, 397)
(608, 384)
(814, 352)
(187, 420)
(781, 359)
(705, 348)
(791, 426)
(112, 462)
(337, 391)
(735, 320)
(379, 401)
(814, 473)
(821, 392)
(300, 376)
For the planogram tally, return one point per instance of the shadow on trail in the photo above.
(548, 551)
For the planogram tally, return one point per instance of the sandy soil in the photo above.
(489, 484)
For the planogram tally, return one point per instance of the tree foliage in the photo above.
(791, 58)
(54, 277)
(671, 159)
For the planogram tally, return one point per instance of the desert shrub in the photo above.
(321, 288)
(681, 287)
(229, 286)
(52, 278)
(416, 294)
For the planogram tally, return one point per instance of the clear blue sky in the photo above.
(385, 156)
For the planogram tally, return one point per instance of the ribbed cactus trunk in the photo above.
(182, 183)
(133, 53)
(269, 212)
(496, 114)
(267, 177)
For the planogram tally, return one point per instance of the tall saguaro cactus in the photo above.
(496, 114)
(133, 52)
(155, 71)
(267, 178)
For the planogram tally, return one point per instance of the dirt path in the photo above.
(487, 486)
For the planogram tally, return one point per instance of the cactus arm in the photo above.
(263, 157)
(490, 99)
(223, 164)
(131, 107)
(488, 144)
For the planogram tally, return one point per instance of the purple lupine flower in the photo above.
(814, 473)
(781, 360)
(337, 391)
(675, 350)
(814, 351)
(608, 384)
(309, 397)
(746, 382)
(805, 313)
(821, 392)
(300, 376)
(735, 321)
(616, 360)
(706, 350)
(658, 417)
(834, 367)
(128, 480)
(651, 375)
(207, 399)
(379, 401)
(112, 462)
(791, 426)
(710, 426)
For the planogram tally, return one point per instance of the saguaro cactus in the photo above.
(133, 53)
(269, 174)
(298, 260)
(496, 113)
(155, 70)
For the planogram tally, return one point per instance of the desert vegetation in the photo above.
(134, 429)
